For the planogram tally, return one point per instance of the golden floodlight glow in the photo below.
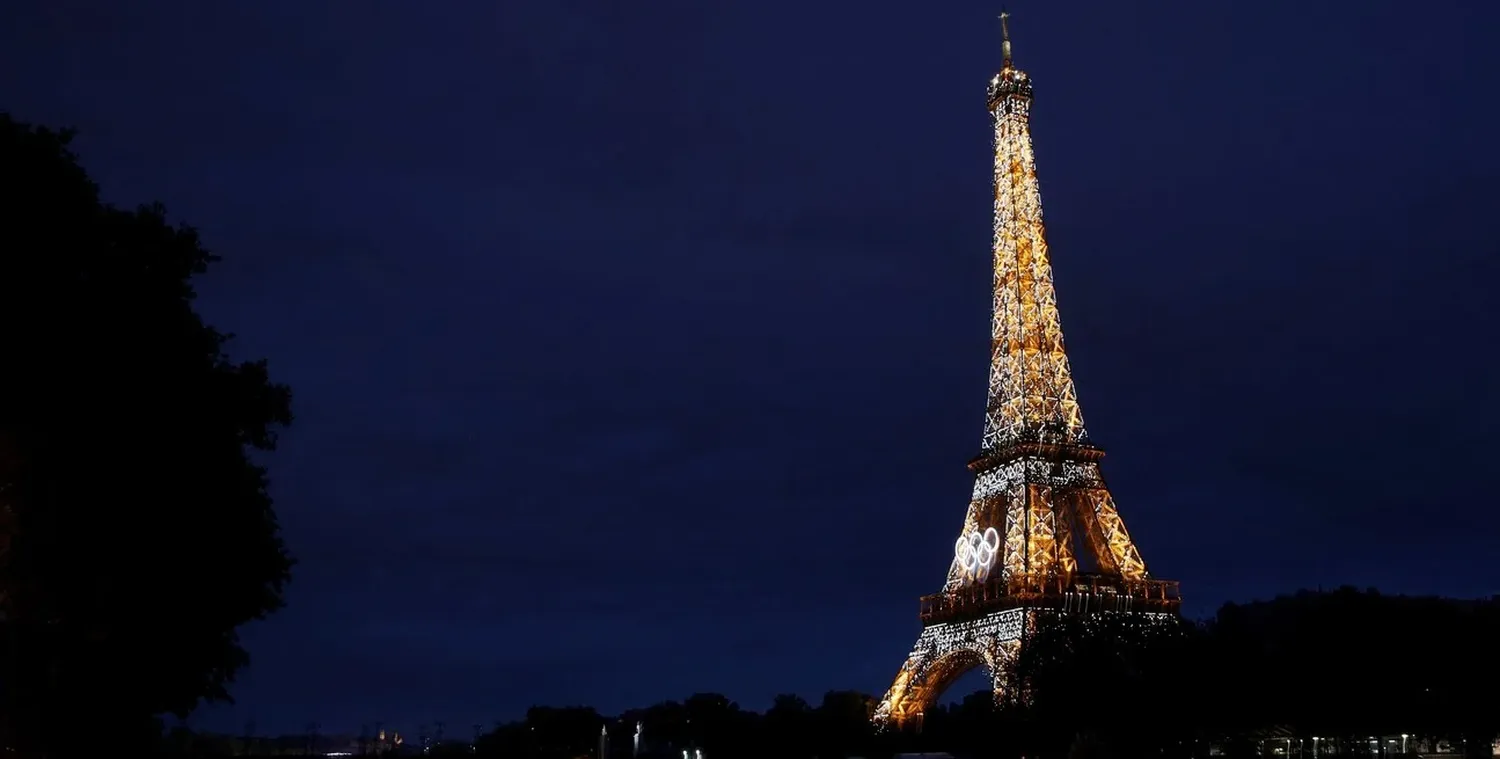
(1040, 502)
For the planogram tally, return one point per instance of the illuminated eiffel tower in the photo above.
(1040, 503)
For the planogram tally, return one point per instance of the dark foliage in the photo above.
(1343, 666)
(137, 531)
(706, 722)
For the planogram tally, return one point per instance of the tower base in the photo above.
(965, 630)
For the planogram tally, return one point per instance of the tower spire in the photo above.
(1005, 39)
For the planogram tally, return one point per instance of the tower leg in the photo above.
(942, 654)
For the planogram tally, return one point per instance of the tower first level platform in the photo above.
(1042, 532)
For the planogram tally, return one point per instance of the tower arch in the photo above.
(944, 653)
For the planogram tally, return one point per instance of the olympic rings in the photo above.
(975, 553)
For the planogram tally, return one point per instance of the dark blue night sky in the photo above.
(639, 347)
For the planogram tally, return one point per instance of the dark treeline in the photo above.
(1342, 666)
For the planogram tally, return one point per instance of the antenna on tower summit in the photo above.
(1005, 38)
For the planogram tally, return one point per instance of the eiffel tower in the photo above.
(1040, 504)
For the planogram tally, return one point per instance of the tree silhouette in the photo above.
(1091, 682)
(1258, 679)
(716, 725)
(1344, 665)
(788, 727)
(136, 532)
(562, 733)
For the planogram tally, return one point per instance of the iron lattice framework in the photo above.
(1040, 503)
